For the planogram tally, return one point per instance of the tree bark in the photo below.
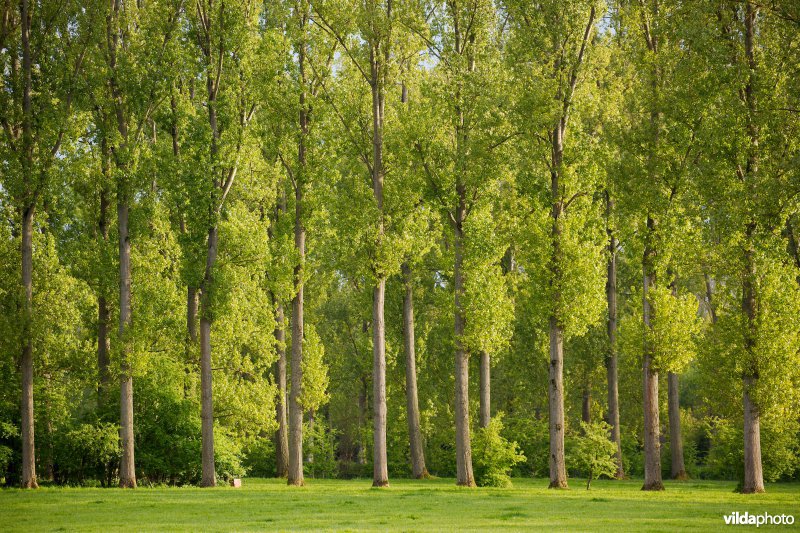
(27, 212)
(380, 461)
(678, 469)
(127, 469)
(586, 404)
(485, 384)
(26, 406)
(418, 469)
(611, 357)
(558, 469)
(463, 444)
(209, 474)
(652, 444)
(753, 473)
(295, 474)
(103, 312)
(282, 435)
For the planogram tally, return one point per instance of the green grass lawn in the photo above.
(267, 504)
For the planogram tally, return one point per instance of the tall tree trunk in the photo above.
(127, 468)
(753, 473)
(418, 469)
(27, 417)
(463, 444)
(611, 358)
(558, 469)
(209, 474)
(103, 312)
(361, 456)
(282, 435)
(652, 444)
(380, 461)
(27, 213)
(295, 474)
(678, 469)
(191, 336)
(486, 387)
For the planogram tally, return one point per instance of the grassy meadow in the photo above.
(407, 505)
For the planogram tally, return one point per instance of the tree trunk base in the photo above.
(653, 485)
(558, 484)
(127, 484)
(30, 484)
(470, 483)
(752, 490)
(380, 484)
(208, 483)
(681, 476)
(295, 482)
(424, 475)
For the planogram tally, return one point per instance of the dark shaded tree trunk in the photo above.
(586, 404)
(209, 474)
(282, 435)
(652, 444)
(753, 473)
(361, 457)
(611, 357)
(28, 479)
(418, 469)
(127, 469)
(486, 387)
(677, 469)
(26, 406)
(103, 312)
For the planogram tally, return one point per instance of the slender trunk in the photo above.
(282, 435)
(486, 387)
(753, 473)
(361, 457)
(678, 469)
(380, 462)
(191, 336)
(26, 362)
(27, 416)
(463, 444)
(295, 474)
(709, 298)
(793, 249)
(418, 469)
(310, 457)
(586, 404)
(209, 474)
(103, 312)
(558, 469)
(611, 358)
(127, 469)
(652, 444)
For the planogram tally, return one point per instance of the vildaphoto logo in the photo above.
(746, 519)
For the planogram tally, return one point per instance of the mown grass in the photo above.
(431, 505)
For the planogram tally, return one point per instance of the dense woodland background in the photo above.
(535, 238)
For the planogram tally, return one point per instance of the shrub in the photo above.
(86, 451)
(593, 452)
(320, 446)
(493, 455)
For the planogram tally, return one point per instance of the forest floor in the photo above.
(408, 505)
